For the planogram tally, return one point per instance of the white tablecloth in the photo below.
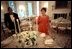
(12, 42)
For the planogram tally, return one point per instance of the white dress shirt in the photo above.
(12, 18)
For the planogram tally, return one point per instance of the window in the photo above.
(21, 11)
(29, 9)
(12, 5)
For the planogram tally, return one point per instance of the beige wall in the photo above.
(51, 8)
(4, 5)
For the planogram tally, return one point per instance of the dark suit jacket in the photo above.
(8, 21)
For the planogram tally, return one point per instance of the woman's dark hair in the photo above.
(43, 9)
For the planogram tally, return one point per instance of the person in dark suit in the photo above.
(9, 19)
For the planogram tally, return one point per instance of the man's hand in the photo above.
(7, 30)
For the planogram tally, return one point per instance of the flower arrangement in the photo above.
(27, 38)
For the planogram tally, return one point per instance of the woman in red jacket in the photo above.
(43, 22)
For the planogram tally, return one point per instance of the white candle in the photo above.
(37, 23)
(15, 26)
(30, 26)
(18, 25)
(29, 23)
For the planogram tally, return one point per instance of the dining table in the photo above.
(13, 41)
